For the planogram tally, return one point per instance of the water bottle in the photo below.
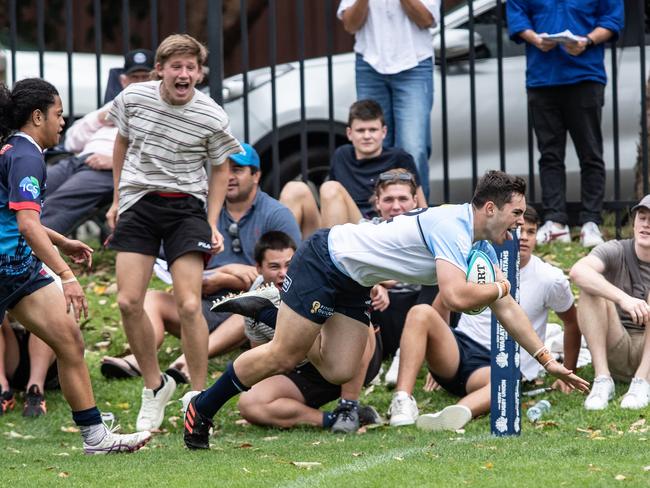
(536, 411)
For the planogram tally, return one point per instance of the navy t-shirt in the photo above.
(358, 176)
(22, 183)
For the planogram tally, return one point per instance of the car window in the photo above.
(486, 26)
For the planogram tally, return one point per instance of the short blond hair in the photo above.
(181, 44)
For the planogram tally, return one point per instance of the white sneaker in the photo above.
(453, 417)
(152, 410)
(391, 375)
(602, 391)
(113, 443)
(553, 232)
(637, 396)
(187, 398)
(403, 409)
(590, 235)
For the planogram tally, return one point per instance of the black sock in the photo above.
(328, 420)
(162, 383)
(227, 386)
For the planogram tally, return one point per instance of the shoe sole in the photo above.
(401, 423)
(447, 419)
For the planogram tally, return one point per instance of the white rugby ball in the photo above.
(479, 270)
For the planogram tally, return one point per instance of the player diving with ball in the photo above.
(325, 296)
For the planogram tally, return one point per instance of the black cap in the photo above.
(138, 60)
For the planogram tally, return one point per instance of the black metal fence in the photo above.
(295, 113)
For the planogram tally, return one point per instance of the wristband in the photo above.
(498, 283)
(70, 280)
(543, 356)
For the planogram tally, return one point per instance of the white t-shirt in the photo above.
(169, 144)
(542, 287)
(389, 41)
(89, 136)
(405, 248)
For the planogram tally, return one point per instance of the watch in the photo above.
(590, 42)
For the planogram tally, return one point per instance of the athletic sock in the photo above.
(354, 404)
(227, 386)
(268, 316)
(162, 383)
(328, 420)
(90, 425)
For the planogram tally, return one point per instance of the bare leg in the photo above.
(41, 357)
(425, 335)
(186, 275)
(133, 274)
(478, 396)
(644, 366)
(352, 389)
(4, 381)
(298, 198)
(60, 332)
(276, 401)
(337, 206)
(599, 323)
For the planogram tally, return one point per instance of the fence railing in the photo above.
(295, 113)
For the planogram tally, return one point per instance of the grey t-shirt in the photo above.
(612, 254)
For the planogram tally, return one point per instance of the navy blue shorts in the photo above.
(14, 288)
(314, 288)
(473, 356)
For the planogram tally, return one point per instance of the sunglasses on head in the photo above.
(389, 176)
(235, 243)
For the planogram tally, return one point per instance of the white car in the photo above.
(317, 107)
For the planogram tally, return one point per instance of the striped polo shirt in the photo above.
(169, 144)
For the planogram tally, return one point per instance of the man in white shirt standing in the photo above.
(459, 359)
(394, 66)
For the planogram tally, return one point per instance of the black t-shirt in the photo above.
(358, 176)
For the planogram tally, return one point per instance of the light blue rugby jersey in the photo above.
(406, 247)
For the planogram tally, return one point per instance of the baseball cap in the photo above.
(249, 158)
(645, 202)
(138, 60)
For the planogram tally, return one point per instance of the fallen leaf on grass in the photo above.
(123, 406)
(270, 438)
(241, 422)
(216, 375)
(593, 467)
(64, 474)
(637, 426)
(62, 454)
(620, 477)
(316, 443)
(15, 435)
(357, 454)
(306, 464)
(15, 451)
(362, 430)
(246, 470)
(99, 289)
(397, 458)
(245, 445)
(70, 429)
(488, 465)
(102, 344)
(646, 468)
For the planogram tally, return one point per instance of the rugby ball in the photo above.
(479, 270)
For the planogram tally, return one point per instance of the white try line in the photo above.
(362, 464)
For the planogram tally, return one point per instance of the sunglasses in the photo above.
(235, 243)
(389, 176)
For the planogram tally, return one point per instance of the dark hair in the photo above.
(498, 187)
(273, 240)
(531, 216)
(365, 110)
(17, 105)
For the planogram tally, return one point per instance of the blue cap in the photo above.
(250, 158)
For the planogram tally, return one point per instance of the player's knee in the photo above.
(128, 305)
(249, 406)
(68, 342)
(330, 190)
(420, 317)
(338, 374)
(189, 307)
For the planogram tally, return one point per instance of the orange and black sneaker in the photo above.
(197, 427)
(7, 401)
(34, 403)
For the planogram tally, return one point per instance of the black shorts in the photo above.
(214, 319)
(317, 391)
(472, 356)
(180, 223)
(314, 288)
(14, 288)
(18, 380)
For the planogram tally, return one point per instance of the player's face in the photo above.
(275, 265)
(527, 242)
(242, 182)
(53, 123)
(367, 137)
(642, 227)
(179, 75)
(394, 200)
(506, 218)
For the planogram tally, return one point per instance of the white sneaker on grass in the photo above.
(590, 235)
(403, 409)
(602, 391)
(391, 375)
(113, 443)
(453, 417)
(553, 232)
(637, 396)
(152, 410)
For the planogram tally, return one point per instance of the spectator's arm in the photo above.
(80, 133)
(532, 37)
(421, 200)
(216, 195)
(355, 16)
(119, 153)
(219, 280)
(418, 13)
(518, 19)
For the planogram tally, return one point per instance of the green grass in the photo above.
(571, 447)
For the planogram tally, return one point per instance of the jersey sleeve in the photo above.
(222, 144)
(558, 291)
(26, 181)
(119, 114)
(448, 242)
